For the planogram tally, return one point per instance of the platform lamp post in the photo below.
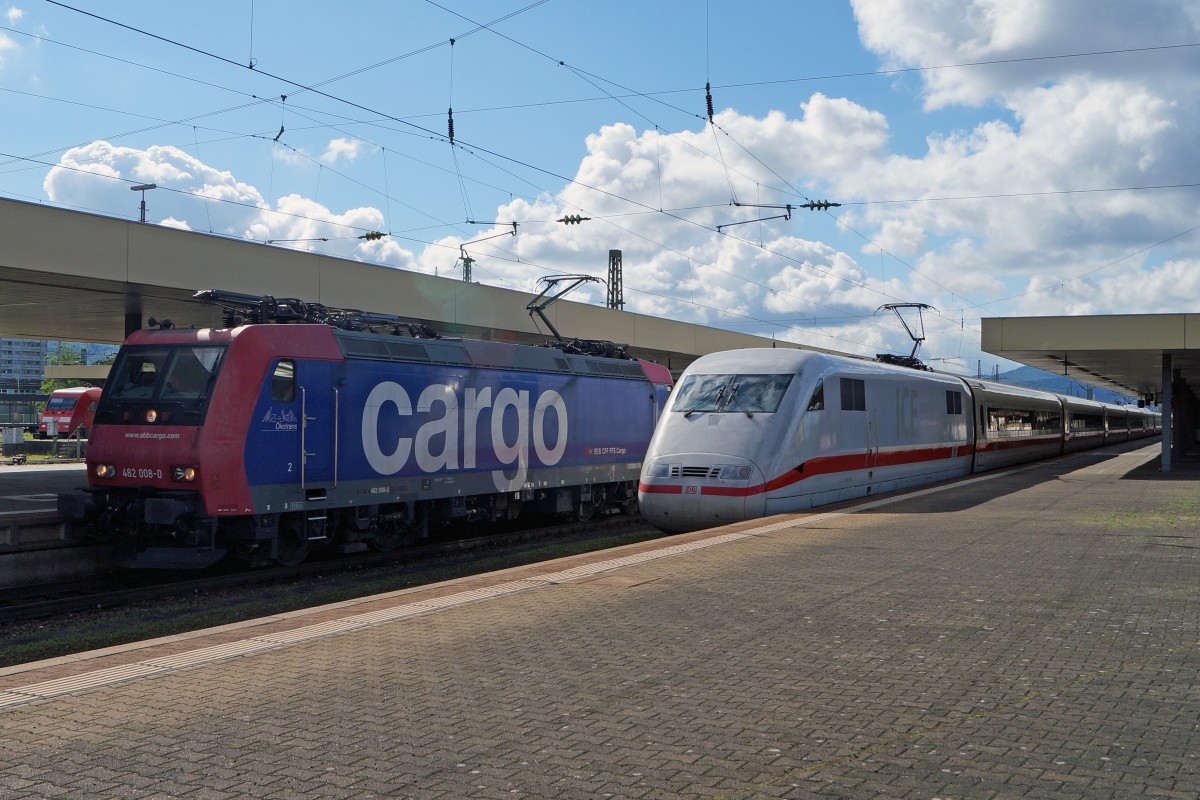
(143, 188)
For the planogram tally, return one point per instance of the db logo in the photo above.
(691, 490)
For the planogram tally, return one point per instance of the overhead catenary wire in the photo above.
(207, 210)
(502, 156)
(462, 186)
(708, 106)
(651, 95)
(683, 301)
(225, 200)
(569, 180)
(487, 26)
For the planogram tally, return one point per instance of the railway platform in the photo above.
(36, 545)
(1027, 634)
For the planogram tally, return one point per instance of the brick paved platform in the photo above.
(1033, 634)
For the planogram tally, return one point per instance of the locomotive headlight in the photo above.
(658, 469)
(150, 416)
(104, 471)
(183, 474)
(735, 473)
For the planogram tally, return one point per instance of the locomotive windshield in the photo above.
(730, 393)
(62, 403)
(171, 376)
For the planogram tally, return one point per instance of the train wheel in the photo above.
(244, 553)
(392, 534)
(388, 536)
(584, 511)
(292, 545)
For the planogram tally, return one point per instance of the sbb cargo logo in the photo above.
(450, 434)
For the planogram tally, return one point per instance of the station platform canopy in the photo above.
(1153, 357)
(1123, 352)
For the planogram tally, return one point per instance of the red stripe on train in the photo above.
(823, 465)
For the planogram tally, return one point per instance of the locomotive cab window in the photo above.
(854, 394)
(137, 374)
(283, 382)
(189, 373)
(175, 380)
(730, 394)
(817, 403)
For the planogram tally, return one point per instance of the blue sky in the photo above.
(992, 157)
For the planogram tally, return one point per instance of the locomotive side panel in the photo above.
(877, 430)
(250, 369)
(433, 431)
(354, 442)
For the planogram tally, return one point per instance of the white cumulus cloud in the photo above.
(193, 195)
(342, 149)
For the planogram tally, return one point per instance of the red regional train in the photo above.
(69, 412)
(267, 441)
(750, 433)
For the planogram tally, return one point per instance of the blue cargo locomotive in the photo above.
(269, 440)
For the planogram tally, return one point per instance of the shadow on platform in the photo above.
(1016, 479)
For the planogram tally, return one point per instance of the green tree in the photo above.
(63, 355)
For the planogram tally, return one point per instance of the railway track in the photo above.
(48, 621)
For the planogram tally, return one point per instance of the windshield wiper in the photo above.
(715, 399)
(733, 399)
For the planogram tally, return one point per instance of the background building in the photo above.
(23, 369)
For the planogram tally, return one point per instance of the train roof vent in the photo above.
(633, 370)
(562, 364)
(604, 367)
(381, 348)
(502, 355)
(407, 351)
(447, 351)
(598, 366)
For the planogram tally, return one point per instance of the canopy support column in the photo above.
(1168, 435)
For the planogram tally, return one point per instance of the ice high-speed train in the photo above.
(749, 433)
